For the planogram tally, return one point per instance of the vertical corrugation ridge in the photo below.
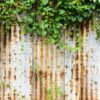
(1, 78)
(81, 69)
(9, 64)
(12, 30)
(45, 85)
(31, 67)
(66, 67)
(96, 92)
(79, 64)
(91, 80)
(46, 72)
(91, 90)
(38, 63)
(4, 64)
(36, 73)
(41, 73)
(77, 76)
(44, 69)
(34, 59)
(86, 61)
(75, 72)
(56, 70)
(41, 83)
(2, 35)
(15, 53)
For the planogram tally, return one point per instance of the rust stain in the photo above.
(79, 84)
(81, 72)
(35, 86)
(86, 69)
(41, 85)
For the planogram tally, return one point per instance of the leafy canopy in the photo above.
(47, 18)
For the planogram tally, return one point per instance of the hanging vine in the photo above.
(48, 18)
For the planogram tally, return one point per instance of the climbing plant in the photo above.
(48, 18)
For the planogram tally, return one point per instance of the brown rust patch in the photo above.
(41, 83)
(9, 97)
(82, 69)
(30, 74)
(4, 41)
(62, 74)
(91, 91)
(14, 77)
(46, 85)
(36, 78)
(9, 73)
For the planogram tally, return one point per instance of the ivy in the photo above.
(45, 1)
(47, 18)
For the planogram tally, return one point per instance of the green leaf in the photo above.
(73, 19)
(80, 19)
(61, 11)
(99, 1)
(32, 1)
(42, 25)
(45, 2)
(10, 2)
(59, 3)
(44, 33)
(94, 0)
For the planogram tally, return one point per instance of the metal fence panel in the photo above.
(30, 68)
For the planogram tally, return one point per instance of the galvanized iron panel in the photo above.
(29, 67)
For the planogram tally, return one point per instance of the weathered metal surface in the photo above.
(29, 67)
(15, 61)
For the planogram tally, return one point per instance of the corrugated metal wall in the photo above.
(15, 65)
(76, 74)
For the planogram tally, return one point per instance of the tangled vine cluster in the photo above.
(47, 18)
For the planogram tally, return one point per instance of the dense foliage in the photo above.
(47, 18)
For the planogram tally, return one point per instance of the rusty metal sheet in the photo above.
(15, 62)
(30, 68)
